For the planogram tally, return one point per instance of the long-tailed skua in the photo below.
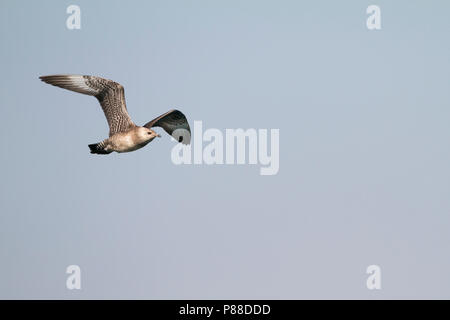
(124, 135)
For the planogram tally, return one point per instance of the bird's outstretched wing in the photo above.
(174, 122)
(110, 94)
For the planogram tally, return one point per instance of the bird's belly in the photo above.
(127, 144)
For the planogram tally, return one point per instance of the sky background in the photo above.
(364, 151)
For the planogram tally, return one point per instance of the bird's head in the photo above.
(146, 134)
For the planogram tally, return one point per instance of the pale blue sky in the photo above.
(364, 151)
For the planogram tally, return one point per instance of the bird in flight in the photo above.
(124, 135)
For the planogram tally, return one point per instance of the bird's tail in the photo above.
(98, 148)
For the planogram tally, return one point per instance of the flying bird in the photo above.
(124, 135)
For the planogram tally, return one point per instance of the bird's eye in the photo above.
(149, 132)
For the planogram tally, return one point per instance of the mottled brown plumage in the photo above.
(124, 135)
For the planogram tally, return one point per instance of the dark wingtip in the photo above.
(44, 78)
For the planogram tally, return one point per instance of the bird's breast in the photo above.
(125, 142)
